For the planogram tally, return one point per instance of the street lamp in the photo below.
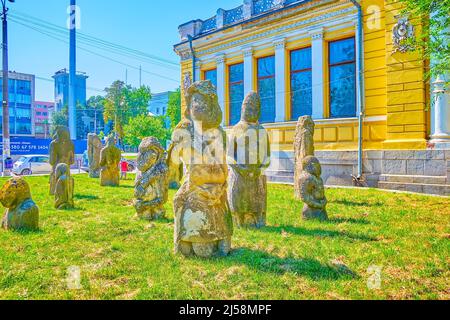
(5, 111)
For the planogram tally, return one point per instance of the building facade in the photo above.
(363, 87)
(42, 118)
(21, 100)
(159, 103)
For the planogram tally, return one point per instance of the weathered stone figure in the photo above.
(21, 211)
(109, 164)
(203, 222)
(64, 188)
(151, 186)
(303, 147)
(312, 191)
(249, 156)
(62, 150)
(94, 149)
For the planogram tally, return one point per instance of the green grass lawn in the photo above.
(121, 257)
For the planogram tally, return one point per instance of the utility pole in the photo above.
(5, 103)
(73, 71)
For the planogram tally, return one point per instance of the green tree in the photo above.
(59, 118)
(433, 40)
(143, 126)
(137, 100)
(174, 108)
(95, 105)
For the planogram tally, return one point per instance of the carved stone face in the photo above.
(62, 134)
(203, 104)
(307, 123)
(150, 152)
(251, 108)
(14, 192)
(312, 166)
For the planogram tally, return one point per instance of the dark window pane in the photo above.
(301, 100)
(236, 99)
(266, 67)
(301, 59)
(343, 91)
(236, 72)
(267, 94)
(342, 51)
(211, 75)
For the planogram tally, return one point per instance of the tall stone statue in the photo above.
(249, 156)
(94, 148)
(21, 211)
(203, 222)
(110, 157)
(151, 186)
(312, 191)
(303, 147)
(64, 188)
(62, 150)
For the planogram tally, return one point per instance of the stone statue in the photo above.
(249, 156)
(21, 211)
(203, 222)
(94, 149)
(303, 147)
(312, 191)
(62, 150)
(151, 186)
(110, 157)
(64, 188)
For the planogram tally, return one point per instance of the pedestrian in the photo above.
(123, 169)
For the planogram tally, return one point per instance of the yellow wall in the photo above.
(395, 89)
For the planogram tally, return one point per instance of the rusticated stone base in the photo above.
(423, 171)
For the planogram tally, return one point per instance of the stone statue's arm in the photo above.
(266, 163)
(52, 158)
(306, 192)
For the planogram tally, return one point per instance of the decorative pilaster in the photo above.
(248, 70)
(317, 52)
(280, 80)
(198, 68)
(220, 62)
(441, 106)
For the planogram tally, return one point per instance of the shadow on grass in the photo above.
(308, 267)
(85, 197)
(319, 233)
(347, 220)
(26, 232)
(349, 203)
(126, 187)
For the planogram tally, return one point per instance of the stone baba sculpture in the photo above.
(64, 188)
(21, 211)
(62, 150)
(203, 222)
(303, 147)
(152, 183)
(312, 191)
(94, 148)
(110, 157)
(249, 156)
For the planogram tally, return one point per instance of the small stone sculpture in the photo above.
(109, 164)
(249, 156)
(62, 150)
(303, 147)
(203, 222)
(151, 186)
(21, 211)
(312, 191)
(64, 188)
(94, 149)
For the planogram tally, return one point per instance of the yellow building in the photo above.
(344, 62)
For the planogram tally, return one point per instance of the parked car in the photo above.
(131, 166)
(34, 164)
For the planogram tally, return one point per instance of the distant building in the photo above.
(42, 118)
(84, 120)
(159, 103)
(21, 99)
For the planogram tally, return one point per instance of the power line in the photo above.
(59, 38)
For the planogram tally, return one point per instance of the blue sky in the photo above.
(150, 26)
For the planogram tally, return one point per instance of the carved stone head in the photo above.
(251, 108)
(306, 123)
(94, 140)
(62, 134)
(14, 192)
(203, 104)
(150, 153)
(312, 166)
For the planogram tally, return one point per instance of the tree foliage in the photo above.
(174, 108)
(124, 102)
(433, 40)
(143, 126)
(59, 118)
